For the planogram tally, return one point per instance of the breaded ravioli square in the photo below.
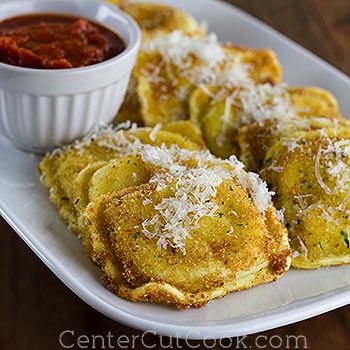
(232, 118)
(310, 172)
(256, 139)
(165, 220)
(234, 250)
(80, 172)
(200, 228)
(171, 66)
(314, 109)
(154, 19)
(157, 19)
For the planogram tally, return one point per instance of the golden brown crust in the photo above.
(136, 270)
(64, 172)
(157, 19)
(315, 109)
(264, 63)
(318, 219)
(166, 99)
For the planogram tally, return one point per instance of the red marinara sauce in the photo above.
(46, 41)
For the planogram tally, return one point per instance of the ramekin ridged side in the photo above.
(45, 122)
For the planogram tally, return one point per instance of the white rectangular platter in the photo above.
(299, 295)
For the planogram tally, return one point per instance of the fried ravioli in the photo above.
(70, 172)
(310, 173)
(170, 67)
(165, 220)
(257, 138)
(222, 112)
(158, 19)
(154, 19)
(172, 242)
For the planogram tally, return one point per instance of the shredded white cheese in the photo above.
(199, 60)
(180, 49)
(332, 156)
(333, 177)
(253, 185)
(280, 215)
(318, 172)
(292, 143)
(303, 247)
(154, 132)
(193, 176)
(227, 123)
(263, 101)
(194, 186)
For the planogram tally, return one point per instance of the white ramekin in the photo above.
(44, 109)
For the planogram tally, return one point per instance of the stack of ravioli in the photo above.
(167, 210)
(165, 220)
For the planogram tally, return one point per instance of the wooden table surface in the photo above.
(35, 307)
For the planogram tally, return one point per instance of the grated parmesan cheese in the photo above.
(332, 157)
(194, 187)
(154, 132)
(303, 248)
(226, 123)
(333, 176)
(179, 49)
(280, 216)
(263, 101)
(292, 143)
(200, 60)
(253, 185)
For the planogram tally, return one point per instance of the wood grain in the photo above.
(321, 26)
(35, 307)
